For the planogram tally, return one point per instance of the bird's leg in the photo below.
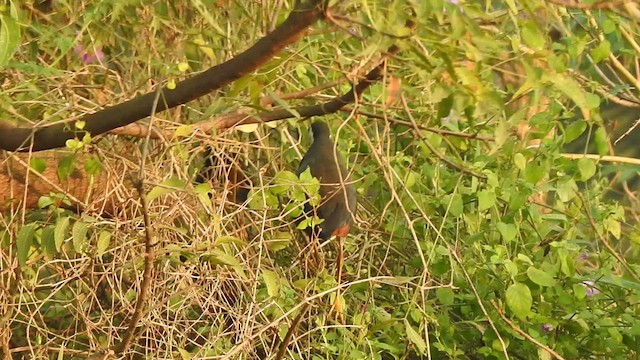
(339, 261)
(337, 303)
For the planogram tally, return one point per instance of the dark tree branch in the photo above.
(328, 107)
(146, 275)
(54, 136)
(230, 120)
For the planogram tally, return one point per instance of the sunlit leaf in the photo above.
(415, 338)
(486, 199)
(79, 236)
(104, 239)
(602, 51)
(540, 277)
(587, 168)
(272, 281)
(519, 300)
(24, 241)
(60, 233)
(507, 231)
(9, 38)
(166, 187)
(574, 130)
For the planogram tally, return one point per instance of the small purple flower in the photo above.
(584, 256)
(591, 289)
(454, 2)
(547, 328)
(87, 57)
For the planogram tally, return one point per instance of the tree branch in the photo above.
(53, 136)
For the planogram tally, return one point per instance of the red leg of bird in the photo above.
(339, 260)
(337, 302)
(340, 233)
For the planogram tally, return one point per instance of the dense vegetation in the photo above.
(495, 219)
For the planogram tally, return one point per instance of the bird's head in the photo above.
(319, 130)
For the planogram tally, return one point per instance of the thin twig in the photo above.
(421, 127)
(607, 158)
(292, 329)
(523, 333)
(148, 247)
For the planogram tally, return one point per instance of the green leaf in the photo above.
(532, 36)
(601, 52)
(92, 165)
(519, 300)
(507, 231)
(415, 338)
(579, 291)
(74, 144)
(9, 38)
(587, 168)
(454, 203)
(221, 257)
(280, 241)
(203, 191)
(184, 354)
(168, 186)
(410, 179)
(310, 183)
(24, 242)
(66, 167)
(272, 281)
(445, 295)
(540, 277)
(558, 63)
(511, 267)
(59, 235)
(593, 100)
(535, 172)
(104, 239)
(283, 181)
(574, 130)
(45, 201)
(79, 236)
(600, 138)
(613, 226)
(47, 240)
(183, 131)
(228, 239)
(524, 258)
(38, 164)
(520, 161)
(445, 106)
(566, 189)
(570, 88)
(486, 199)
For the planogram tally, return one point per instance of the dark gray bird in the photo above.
(338, 205)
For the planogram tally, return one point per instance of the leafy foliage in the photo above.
(478, 236)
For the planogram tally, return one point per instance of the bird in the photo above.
(338, 195)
